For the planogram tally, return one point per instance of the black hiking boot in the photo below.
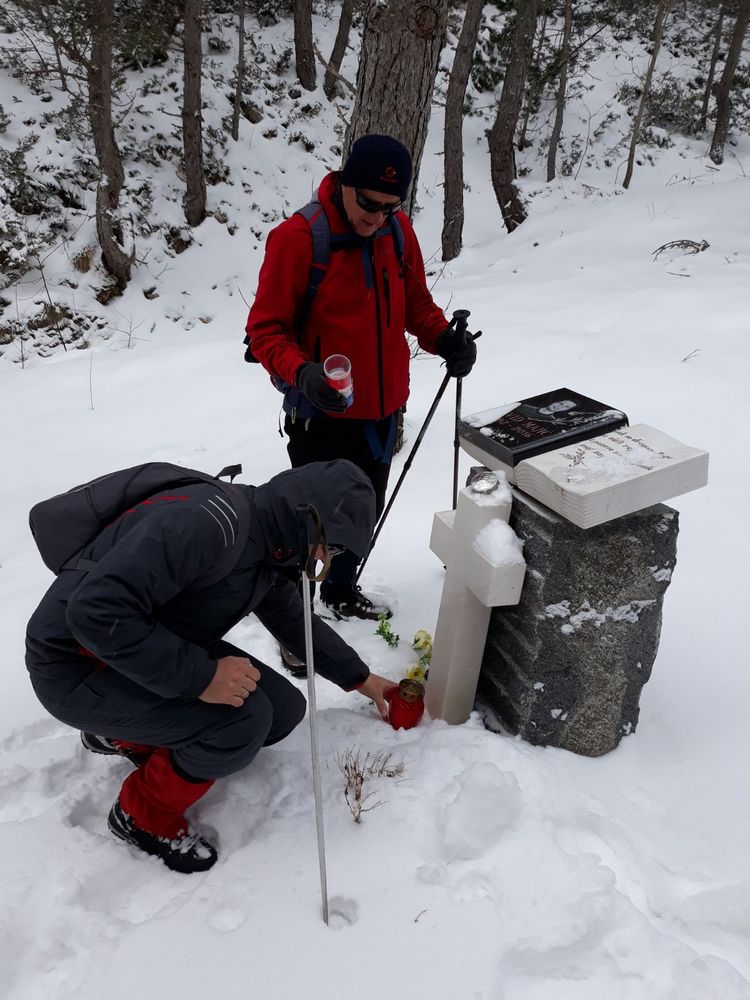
(347, 601)
(186, 853)
(136, 753)
(293, 664)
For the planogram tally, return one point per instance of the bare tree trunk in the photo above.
(502, 154)
(534, 85)
(725, 84)
(398, 63)
(112, 178)
(339, 48)
(712, 69)
(661, 13)
(303, 44)
(453, 145)
(240, 73)
(58, 59)
(192, 116)
(560, 110)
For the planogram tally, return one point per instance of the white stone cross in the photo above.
(484, 569)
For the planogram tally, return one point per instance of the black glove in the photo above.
(459, 350)
(314, 386)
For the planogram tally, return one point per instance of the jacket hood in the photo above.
(340, 492)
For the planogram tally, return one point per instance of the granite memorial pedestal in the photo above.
(566, 665)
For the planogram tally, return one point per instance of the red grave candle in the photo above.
(405, 703)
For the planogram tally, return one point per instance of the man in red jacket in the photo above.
(373, 289)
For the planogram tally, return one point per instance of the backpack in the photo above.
(64, 524)
(323, 243)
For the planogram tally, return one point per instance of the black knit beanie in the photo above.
(378, 163)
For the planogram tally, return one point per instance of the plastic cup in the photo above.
(337, 369)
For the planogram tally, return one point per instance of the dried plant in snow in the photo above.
(357, 770)
(686, 246)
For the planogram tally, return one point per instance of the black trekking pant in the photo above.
(323, 439)
(207, 741)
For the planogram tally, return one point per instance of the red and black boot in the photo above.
(149, 815)
(136, 753)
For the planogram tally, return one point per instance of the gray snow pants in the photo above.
(207, 741)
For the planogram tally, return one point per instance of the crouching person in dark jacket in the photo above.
(131, 654)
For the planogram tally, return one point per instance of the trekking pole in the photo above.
(407, 466)
(305, 576)
(460, 316)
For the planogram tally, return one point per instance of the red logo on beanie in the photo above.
(389, 175)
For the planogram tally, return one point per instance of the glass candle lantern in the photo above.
(405, 704)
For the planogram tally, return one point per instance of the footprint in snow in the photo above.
(479, 805)
(231, 905)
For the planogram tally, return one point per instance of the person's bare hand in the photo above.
(234, 680)
(375, 688)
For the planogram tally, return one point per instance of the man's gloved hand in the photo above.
(460, 352)
(314, 386)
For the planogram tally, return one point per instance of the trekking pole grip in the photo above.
(461, 317)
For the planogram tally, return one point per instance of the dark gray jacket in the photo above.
(135, 609)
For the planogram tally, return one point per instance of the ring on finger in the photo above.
(244, 693)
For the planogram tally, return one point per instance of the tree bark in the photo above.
(560, 110)
(240, 73)
(661, 13)
(112, 177)
(303, 44)
(339, 48)
(502, 154)
(453, 146)
(712, 69)
(192, 116)
(721, 128)
(398, 63)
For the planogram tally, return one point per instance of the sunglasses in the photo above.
(335, 550)
(387, 209)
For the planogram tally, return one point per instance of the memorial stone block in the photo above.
(566, 665)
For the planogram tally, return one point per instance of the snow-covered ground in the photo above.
(492, 870)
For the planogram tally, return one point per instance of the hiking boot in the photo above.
(187, 852)
(347, 601)
(136, 753)
(293, 664)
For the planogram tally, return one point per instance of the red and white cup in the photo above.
(337, 369)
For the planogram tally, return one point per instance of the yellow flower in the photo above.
(422, 641)
(415, 672)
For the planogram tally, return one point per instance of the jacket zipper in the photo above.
(371, 251)
(387, 291)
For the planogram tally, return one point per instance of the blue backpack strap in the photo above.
(320, 231)
(397, 233)
(294, 402)
(381, 452)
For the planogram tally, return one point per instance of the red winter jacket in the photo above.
(361, 315)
